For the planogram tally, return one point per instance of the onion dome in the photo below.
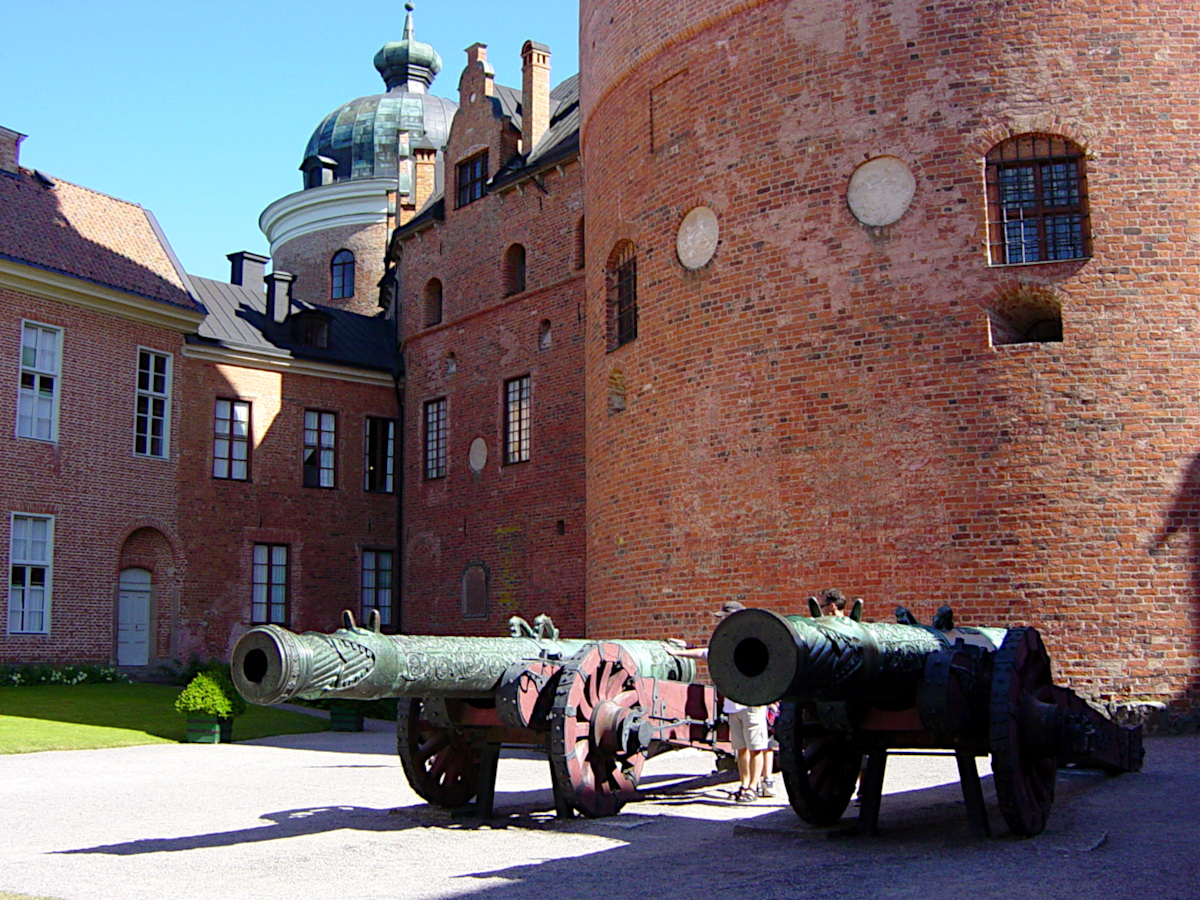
(371, 136)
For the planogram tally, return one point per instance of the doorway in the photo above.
(133, 618)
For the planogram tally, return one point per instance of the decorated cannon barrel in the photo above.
(598, 709)
(851, 688)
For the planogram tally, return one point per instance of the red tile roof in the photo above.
(70, 229)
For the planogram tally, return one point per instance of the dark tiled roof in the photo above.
(237, 317)
(62, 227)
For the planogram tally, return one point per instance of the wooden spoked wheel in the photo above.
(820, 768)
(441, 764)
(595, 756)
(1024, 764)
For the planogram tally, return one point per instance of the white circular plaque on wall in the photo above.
(477, 458)
(880, 190)
(696, 240)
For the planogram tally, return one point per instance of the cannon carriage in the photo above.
(598, 709)
(850, 689)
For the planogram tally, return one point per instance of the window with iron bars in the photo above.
(435, 438)
(622, 296)
(1037, 201)
(517, 412)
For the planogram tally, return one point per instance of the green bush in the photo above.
(210, 693)
(40, 673)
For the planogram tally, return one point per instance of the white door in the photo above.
(133, 618)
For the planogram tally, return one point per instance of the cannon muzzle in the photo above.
(757, 656)
(271, 664)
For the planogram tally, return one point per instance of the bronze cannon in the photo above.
(851, 689)
(599, 709)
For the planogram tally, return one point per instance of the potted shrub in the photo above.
(210, 703)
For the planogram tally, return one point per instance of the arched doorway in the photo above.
(133, 617)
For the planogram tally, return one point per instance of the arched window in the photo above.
(341, 275)
(433, 303)
(514, 270)
(1037, 200)
(621, 285)
(475, 592)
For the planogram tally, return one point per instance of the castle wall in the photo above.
(520, 523)
(827, 403)
(325, 529)
(308, 257)
(89, 480)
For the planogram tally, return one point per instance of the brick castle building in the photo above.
(780, 295)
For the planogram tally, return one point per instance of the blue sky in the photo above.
(200, 111)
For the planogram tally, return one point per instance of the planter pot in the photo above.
(203, 729)
(343, 719)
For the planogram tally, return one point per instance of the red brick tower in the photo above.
(902, 298)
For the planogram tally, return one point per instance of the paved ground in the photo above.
(325, 815)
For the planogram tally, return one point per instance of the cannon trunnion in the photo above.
(851, 689)
(598, 709)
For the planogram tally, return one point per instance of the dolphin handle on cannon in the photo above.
(599, 709)
(851, 689)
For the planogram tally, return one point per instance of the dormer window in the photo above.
(472, 178)
(341, 275)
(311, 329)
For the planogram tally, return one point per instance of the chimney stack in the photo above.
(247, 269)
(424, 181)
(279, 296)
(478, 77)
(535, 94)
(10, 150)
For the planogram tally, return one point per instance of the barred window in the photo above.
(320, 437)
(517, 412)
(1037, 201)
(472, 178)
(151, 421)
(231, 440)
(621, 285)
(269, 585)
(435, 438)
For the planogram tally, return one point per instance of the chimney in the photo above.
(535, 94)
(10, 150)
(425, 156)
(279, 296)
(478, 77)
(247, 269)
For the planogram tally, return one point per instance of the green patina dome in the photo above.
(366, 137)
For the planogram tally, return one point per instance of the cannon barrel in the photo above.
(757, 656)
(271, 664)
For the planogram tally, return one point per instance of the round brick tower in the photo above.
(900, 298)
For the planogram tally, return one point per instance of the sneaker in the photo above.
(745, 795)
(766, 789)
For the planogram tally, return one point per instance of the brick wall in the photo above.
(326, 529)
(308, 258)
(824, 403)
(522, 522)
(104, 499)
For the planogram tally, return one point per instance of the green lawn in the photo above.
(91, 716)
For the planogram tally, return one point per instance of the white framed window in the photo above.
(377, 585)
(152, 416)
(231, 439)
(37, 399)
(320, 439)
(30, 558)
(380, 452)
(269, 599)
